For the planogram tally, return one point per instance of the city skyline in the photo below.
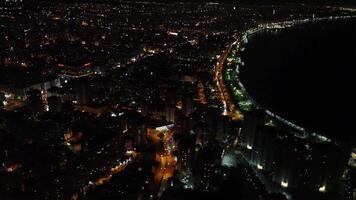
(142, 100)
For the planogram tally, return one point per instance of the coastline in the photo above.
(238, 90)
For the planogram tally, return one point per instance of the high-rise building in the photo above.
(187, 105)
(251, 122)
(294, 162)
(81, 91)
(170, 114)
(34, 101)
(54, 104)
(2, 100)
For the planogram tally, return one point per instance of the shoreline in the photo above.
(238, 90)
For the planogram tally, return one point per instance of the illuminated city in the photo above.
(149, 100)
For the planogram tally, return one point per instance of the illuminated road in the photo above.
(229, 107)
(107, 177)
(164, 157)
(164, 171)
(143, 56)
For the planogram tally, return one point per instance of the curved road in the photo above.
(229, 107)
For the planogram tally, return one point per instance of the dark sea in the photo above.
(306, 74)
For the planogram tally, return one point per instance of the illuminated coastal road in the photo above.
(229, 107)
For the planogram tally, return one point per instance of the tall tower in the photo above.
(2, 99)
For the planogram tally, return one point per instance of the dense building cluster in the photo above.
(105, 101)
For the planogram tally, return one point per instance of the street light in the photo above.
(284, 184)
(322, 188)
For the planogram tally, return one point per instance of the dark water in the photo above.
(306, 74)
